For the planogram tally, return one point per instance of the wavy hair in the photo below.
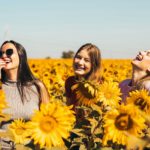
(95, 56)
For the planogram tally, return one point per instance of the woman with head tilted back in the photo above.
(24, 93)
(86, 64)
(140, 75)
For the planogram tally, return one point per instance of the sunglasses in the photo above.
(8, 52)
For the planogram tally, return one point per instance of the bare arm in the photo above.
(146, 85)
(143, 85)
(45, 97)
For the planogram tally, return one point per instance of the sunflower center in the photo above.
(108, 95)
(47, 124)
(19, 131)
(123, 122)
(141, 103)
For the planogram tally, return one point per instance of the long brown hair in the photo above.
(25, 76)
(95, 56)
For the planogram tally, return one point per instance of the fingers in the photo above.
(6, 60)
(2, 63)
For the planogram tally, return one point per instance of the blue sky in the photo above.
(120, 28)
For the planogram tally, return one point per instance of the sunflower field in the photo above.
(99, 122)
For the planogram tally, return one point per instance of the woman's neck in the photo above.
(137, 76)
(12, 75)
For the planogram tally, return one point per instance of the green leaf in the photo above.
(22, 147)
(93, 123)
(106, 148)
(56, 148)
(98, 130)
(82, 147)
(77, 132)
(97, 108)
(97, 140)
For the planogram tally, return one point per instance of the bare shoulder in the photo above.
(44, 92)
(41, 84)
(146, 84)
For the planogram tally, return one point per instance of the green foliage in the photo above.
(68, 54)
(88, 130)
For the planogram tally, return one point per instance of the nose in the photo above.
(142, 52)
(4, 55)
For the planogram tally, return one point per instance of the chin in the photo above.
(8, 67)
(79, 73)
(135, 62)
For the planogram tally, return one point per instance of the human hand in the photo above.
(2, 63)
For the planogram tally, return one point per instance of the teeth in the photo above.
(139, 57)
(7, 62)
(80, 68)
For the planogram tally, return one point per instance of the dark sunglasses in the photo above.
(8, 52)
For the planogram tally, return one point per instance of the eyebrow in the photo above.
(87, 58)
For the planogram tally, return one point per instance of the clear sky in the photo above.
(120, 28)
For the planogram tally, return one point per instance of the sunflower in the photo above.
(3, 103)
(49, 126)
(0, 84)
(18, 128)
(110, 93)
(86, 92)
(121, 122)
(141, 99)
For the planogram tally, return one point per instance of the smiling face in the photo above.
(12, 62)
(142, 61)
(82, 63)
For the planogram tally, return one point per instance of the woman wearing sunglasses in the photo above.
(24, 93)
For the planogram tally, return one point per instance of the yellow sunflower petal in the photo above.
(53, 122)
(128, 119)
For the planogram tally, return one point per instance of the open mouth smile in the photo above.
(139, 57)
